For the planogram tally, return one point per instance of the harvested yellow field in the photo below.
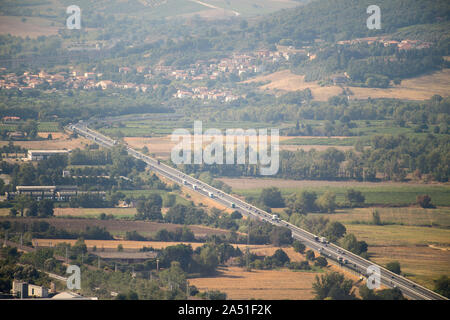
(268, 251)
(420, 264)
(162, 147)
(419, 88)
(285, 80)
(259, 284)
(55, 135)
(127, 244)
(59, 141)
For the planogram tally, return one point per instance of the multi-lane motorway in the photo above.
(329, 250)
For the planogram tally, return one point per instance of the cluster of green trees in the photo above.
(392, 157)
(204, 259)
(12, 268)
(43, 229)
(179, 234)
(31, 208)
(334, 286)
(12, 148)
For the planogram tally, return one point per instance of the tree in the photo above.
(45, 208)
(321, 262)
(236, 215)
(376, 220)
(13, 212)
(120, 248)
(350, 243)
(174, 277)
(394, 267)
(327, 202)
(333, 286)
(442, 286)
(305, 202)
(298, 246)
(334, 231)
(310, 255)
(272, 197)
(385, 294)
(424, 201)
(356, 198)
(163, 235)
(32, 210)
(207, 260)
(150, 209)
(280, 257)
(280, 236)
(22, 202)
(181, 253)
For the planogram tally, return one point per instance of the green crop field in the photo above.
(383, 195)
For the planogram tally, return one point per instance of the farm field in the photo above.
(94, 212)
(59, 141)
(376, 193)
(259, 284)
(118, 227)
(127, 244)
(161, 147)
(419, 88)
(420, 264)
(423, 253)
(281, 284)
(32, 27)
(401, 235)
(285, 80)
(412, 216)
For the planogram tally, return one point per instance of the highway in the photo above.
(330, 251)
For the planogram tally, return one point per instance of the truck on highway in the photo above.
(184, 182)
(194, 186)
(211, 195)
(275, 217)
(323, 240)
(233, 205)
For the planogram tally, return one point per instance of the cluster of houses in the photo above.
(71, 80)
(240, 65)
(406, 44)
(213, 69)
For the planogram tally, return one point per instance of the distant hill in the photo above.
(333, 20)
(152, 9)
